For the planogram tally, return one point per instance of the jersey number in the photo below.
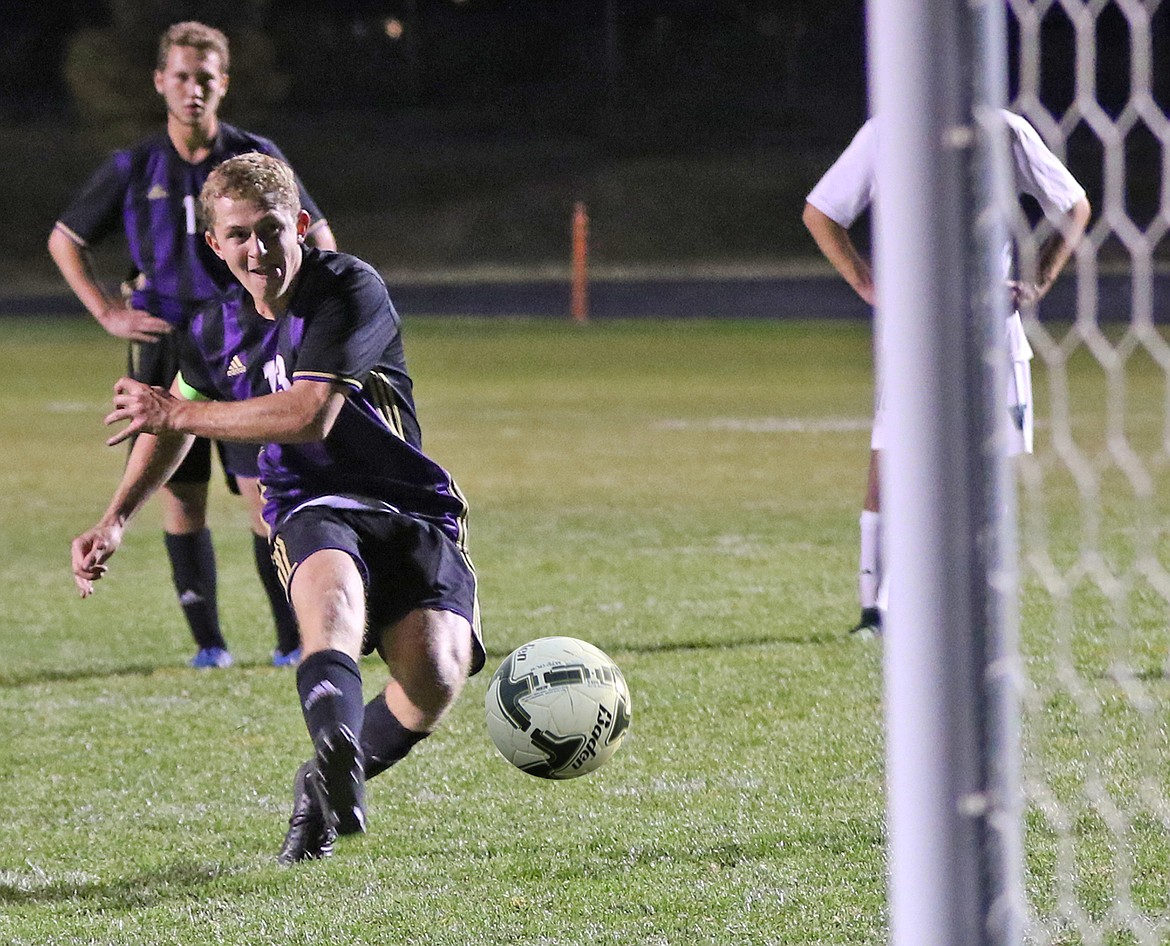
(274, 373)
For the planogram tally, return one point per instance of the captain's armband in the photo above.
(189, 393)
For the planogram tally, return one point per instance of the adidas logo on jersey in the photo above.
(236, 366)
(158, 192)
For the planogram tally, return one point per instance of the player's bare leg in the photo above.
(429, 656)
(873, 486)
(329, 599)
(192, 558)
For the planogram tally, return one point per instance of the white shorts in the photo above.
(1020, 427)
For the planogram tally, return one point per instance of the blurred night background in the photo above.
(448, 134)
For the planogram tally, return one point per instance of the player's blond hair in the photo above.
(254, 176)
(200, 36)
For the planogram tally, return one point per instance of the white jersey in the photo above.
(849, 187)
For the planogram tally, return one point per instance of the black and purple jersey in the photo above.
(153, 195)
(340, 328)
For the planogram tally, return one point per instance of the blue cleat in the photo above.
(291, 659)
(209, 658)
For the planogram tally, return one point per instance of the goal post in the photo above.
(938, 78)
(1027, 736)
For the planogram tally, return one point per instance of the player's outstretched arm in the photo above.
(303, 413)
(151, 463)
(834, 241)
(111, 314)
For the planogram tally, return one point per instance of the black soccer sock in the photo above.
(193, 572)
(288, 638)
(384, 739)
(330, 685)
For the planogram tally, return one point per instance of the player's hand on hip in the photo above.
(146, 407)
(90, 551)
(1024, 294)
(134, 325)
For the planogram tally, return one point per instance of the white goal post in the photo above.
(940, 222)
(1028, 736)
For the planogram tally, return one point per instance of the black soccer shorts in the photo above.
(406, 563)
(157, 363)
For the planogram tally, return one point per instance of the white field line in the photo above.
(770, 425)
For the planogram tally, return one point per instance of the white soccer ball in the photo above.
(557, 708)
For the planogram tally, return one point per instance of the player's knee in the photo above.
(453, 662)
(329, 601)
(433, 667)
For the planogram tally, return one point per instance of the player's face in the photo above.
(192, 84)
(262, 248)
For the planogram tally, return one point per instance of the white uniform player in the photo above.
(844, 193)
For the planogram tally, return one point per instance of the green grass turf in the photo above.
(682, 494)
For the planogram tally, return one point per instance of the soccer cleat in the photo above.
(291, 659)
(211, 658)
(341, 786)
(870, 624)
(309, 837)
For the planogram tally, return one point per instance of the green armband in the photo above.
(189, 393)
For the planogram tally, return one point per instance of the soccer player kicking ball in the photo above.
(841, 196)
(368, 533)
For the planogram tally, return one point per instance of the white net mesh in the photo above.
(1095, 498)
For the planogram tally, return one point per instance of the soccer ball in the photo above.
(557, 708)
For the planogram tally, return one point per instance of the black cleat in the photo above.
(870, 624)
(309, 836)
(341, 785)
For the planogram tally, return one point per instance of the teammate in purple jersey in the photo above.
(151, 192)
(369, 534)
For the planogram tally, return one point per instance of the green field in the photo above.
(685, 496)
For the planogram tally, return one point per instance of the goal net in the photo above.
(1094, 500)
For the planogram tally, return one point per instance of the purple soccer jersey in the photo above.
(340, 328)
(153, 195)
